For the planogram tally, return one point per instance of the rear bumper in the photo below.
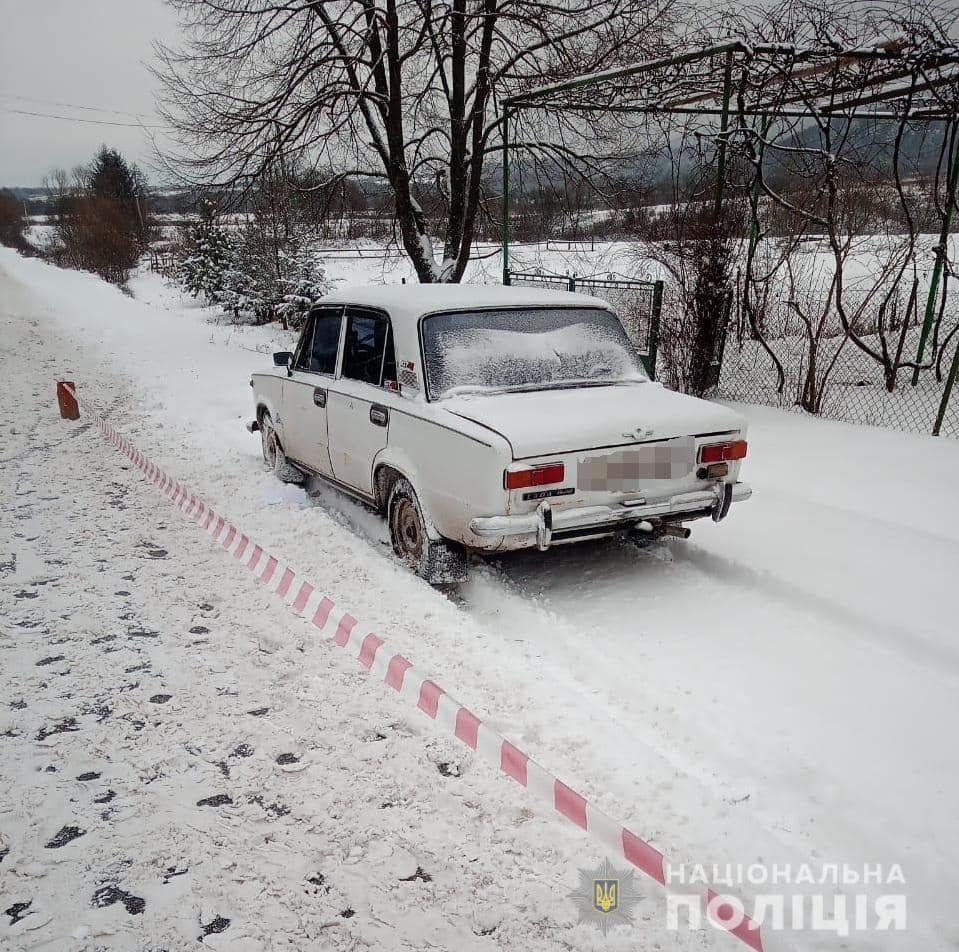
(544, 522)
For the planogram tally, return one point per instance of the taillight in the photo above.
(534, 476)
(722, 452)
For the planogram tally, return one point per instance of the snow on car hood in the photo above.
(544, 422)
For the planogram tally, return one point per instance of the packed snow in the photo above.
(780, 689)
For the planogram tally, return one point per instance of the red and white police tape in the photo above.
(396, 671)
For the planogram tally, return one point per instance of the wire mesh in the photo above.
(846, 384)
(634, 302)
(838, 380)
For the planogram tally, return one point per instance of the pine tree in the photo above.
(211, 253)
(242, 284)
(258, 271)
(303, 284)
(270, 279)
(113, 180)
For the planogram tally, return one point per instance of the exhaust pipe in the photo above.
(660, 529)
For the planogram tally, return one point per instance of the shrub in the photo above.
(91, 234)
(101, 220)
(13, 223)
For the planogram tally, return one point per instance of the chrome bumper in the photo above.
(544, 520)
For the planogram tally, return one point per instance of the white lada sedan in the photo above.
(492, 418)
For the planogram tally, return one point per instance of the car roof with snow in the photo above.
(409, 302)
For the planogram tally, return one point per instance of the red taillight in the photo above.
(534, 476)
(722, 452)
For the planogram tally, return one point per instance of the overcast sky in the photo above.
(90, 53)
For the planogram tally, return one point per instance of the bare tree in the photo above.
(406, 91)
(844, 177)
(699, 255)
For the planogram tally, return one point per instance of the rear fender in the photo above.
(397, 459)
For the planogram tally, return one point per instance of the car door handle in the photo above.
(379, 415)
(319, 396)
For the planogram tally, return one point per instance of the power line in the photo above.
(70, 105)
(95, 122)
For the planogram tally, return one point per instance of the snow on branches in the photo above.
(250, 272)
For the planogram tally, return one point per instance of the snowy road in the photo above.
(781, 689)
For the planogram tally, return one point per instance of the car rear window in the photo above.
(497, 350)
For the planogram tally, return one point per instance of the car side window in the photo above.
(301, 356)
(320, 342)
(326, 342)
(368, 353)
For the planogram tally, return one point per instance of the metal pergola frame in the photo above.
(593, 93)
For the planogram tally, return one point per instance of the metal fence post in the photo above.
(947, 393)
(942, 256)
(719, 348)
(654, 318)
(505, 233)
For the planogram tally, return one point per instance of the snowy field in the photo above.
(781, 689)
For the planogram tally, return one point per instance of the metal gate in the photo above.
(638, 304)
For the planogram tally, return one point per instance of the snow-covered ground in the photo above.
(780, 689)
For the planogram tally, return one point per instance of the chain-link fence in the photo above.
(815, 366)
(797, 366)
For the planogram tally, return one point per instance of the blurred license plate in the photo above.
(626, 470)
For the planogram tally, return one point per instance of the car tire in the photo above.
(273, 454)
(437, 561)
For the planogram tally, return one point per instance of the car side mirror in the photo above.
(282, 358)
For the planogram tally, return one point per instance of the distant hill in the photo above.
(873, 141)
(165, 201)
(651, 176)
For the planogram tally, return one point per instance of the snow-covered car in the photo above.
(492, 418)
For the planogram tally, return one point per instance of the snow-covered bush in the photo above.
(303, 283)
(254, 271)
(210, 250)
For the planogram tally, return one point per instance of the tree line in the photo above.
(260, 265)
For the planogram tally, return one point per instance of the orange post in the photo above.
(68, 402)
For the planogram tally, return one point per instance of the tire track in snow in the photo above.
(514, 598)
(873, 631)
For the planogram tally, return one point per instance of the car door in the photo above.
(305, 391)
(358, 410)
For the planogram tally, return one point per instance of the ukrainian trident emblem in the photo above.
(605, 896)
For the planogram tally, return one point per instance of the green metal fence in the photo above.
(638, 304)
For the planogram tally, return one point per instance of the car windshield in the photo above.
(515, 349)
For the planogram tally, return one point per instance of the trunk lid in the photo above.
(546, 422)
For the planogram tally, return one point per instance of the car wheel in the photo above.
(273, 454)
(437, 561)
